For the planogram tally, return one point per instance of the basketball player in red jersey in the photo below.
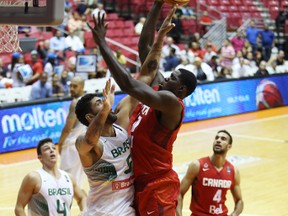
(211, 178)
(156, 126)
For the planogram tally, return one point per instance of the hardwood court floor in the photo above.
(260, 151)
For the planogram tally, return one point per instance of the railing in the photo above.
(217, 34)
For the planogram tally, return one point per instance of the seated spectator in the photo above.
(258, 57)
(225, 73)
(237, 57)
(82, 6)
(186, 12)
(202, 70)
(17, 61)
(171, 61)
(280, 58)
(187, 53)
(238, 41)
(58, 42)
(41, 89)
(251, 60)
(121, 59)
(273, 68)
(37, 67)
(75, 24)
(170, 44)
(208, 53)
(196, 50)
(49, 65)
(184, 63)
(3, 69)
(43, 48)
(242, 69)
(73, 42)
(262, 71)
(138, 27)
(227, 54)
(67, 4)
(64, 81)
(213, 63)
(205, 22)
(57, 90)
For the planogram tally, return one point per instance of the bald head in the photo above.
(77, 87)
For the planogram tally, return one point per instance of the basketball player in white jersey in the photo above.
(49, 190)
(105, 147)
(70, 161)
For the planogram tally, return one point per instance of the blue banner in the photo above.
(23, 127)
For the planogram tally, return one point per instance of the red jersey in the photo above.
(210, 188)
(152, 143)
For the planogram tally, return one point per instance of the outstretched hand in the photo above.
(167, 25)
(108, 94)
(100, 28)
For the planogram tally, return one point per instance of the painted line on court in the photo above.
(239, 124)
(19, 163)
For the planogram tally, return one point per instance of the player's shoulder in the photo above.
(32, 178)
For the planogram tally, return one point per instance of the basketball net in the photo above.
(9, 41)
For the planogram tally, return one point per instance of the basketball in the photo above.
(179, 2)
(268, 95)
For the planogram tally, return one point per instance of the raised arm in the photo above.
(134, 88)
(90, 141)
(148, 31)
(186, 183)
(70, 122)
(27, 189)
(237, 195)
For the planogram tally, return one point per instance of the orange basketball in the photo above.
(179, 2)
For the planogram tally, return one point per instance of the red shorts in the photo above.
(157, 197)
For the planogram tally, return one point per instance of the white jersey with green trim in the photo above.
(54, 197)
(111, 178)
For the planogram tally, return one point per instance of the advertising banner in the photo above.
(22, 127)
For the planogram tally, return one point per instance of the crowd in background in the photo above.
(50, 67)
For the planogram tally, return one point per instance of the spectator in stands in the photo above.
(225, 73)
(99, 9)
(177, 31)
(251, 60)
(121, 58)
(205, 22)
(280, 58)
(73, 41)
(41, 89)
(37, 67)
(196, 50)
(171, 61)
(209, 53)
(167, 47)
(213, 63)
(138, 27)
(50, 64)
(57, 90)
(227, 54)
(262, 71)
(280, 21)
(3, 69)
(258, 57)
(58, 42)
(252, 34)
(185, 64)
(186, 12)
(242, 69)
(273, 68)
(267, 38)
(17, 61)
(187, 53)
(43, 48)
(247, 48)
(238, 41)
(82, 6)
(64, 81)
(75, 24)
(202, 71)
